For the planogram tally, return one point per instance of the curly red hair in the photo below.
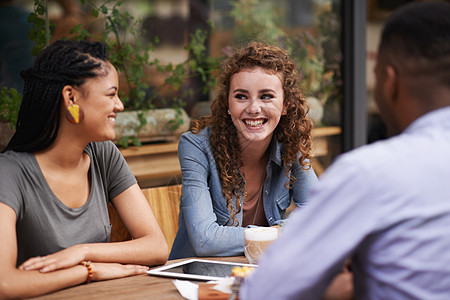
(293, 130)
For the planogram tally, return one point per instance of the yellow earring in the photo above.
(74, 114)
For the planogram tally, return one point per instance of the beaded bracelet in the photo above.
(87, 264)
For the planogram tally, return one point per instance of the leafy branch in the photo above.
(10, 100)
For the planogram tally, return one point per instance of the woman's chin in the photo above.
(256, 137)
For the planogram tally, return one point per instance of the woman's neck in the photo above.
(254, 161)
(64, 152)
(255, 153)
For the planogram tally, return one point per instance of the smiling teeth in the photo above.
(254, 123)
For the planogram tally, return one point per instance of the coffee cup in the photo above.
(256, 240)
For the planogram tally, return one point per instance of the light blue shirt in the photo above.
(385, 205)
(205, 224)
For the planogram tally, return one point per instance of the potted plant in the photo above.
(152, 112)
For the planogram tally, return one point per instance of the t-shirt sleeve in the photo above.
(118, 175)
(10, 193)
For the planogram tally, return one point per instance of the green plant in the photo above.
(329, 28)
(256, 19)
(10, 100)
(125, 141)
(317, 54)
(198, 64)
(122, 35)
(41, 31)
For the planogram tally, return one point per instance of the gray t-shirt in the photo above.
(44, 224)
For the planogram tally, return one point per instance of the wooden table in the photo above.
(133, 287)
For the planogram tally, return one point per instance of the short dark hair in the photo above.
(416, 40)
(65, 62)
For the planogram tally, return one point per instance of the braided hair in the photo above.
(64, 62)
(293, 130)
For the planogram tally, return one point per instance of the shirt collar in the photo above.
(438, 117)
(276, 150)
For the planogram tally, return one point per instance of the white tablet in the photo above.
(198, 269)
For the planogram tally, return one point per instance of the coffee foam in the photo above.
(261, 233)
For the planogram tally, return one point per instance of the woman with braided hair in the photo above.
(58, 174)
(245, 163)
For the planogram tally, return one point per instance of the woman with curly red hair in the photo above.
(245, 163)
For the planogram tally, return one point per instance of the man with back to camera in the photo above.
(385, 205)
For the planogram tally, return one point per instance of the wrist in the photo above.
(90, 271)
(82, 251)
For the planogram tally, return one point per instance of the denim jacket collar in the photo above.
(276, 149)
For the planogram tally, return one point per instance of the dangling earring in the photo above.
(74, 114)
(228, 111)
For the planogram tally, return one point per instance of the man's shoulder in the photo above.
(377, 157)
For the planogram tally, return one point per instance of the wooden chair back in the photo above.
(165, 203)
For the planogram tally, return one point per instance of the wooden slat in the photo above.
(150, 149)
(165, 202)
(153, 164)
(326, 131)
(154, 167)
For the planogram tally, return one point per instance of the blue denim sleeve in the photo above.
(303, 183)
(305, 180)
(202, 205)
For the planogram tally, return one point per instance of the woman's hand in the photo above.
(106, 271)
(63, 259)
(69, 257)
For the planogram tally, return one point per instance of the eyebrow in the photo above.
(240, 91)
(260, 91)
(113, 87)
(266, 90)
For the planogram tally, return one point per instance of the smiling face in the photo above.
(99, 99)
(255, 104)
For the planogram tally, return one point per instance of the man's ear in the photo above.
(390, 84)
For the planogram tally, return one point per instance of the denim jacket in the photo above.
(205, 224)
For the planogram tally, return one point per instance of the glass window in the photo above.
(311, 32)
